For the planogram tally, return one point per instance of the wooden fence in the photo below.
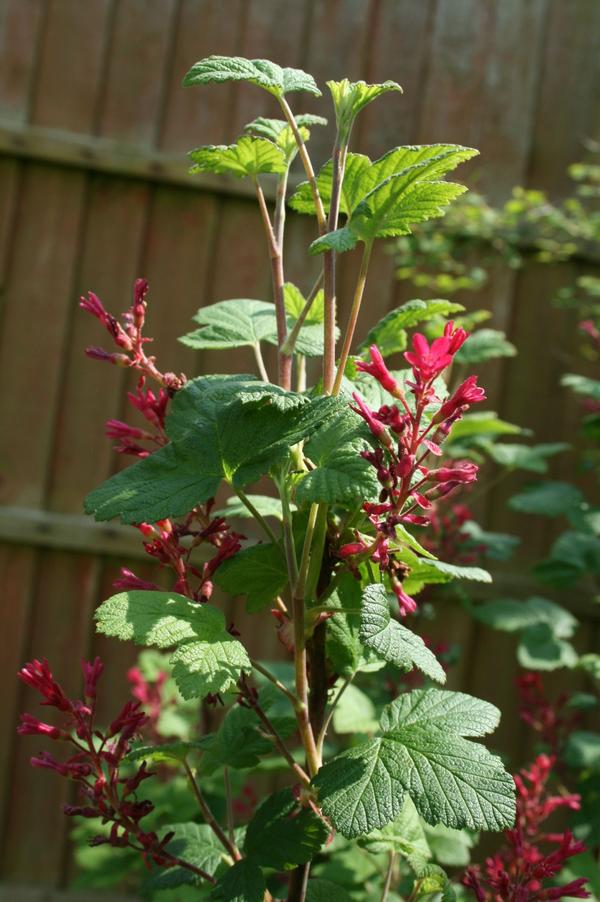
(94, 192)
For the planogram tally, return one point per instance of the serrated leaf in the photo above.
(449, 778)
(582, 385)
(361, 175)
(405, 835)
(236, 323)
(168, 751)
(481, 424)
(541, 649)
(497, 545)
(524, 457)
(194, 843)
(572, 556)
(390, 210)
(278, 131)
(266, 505)
(360, 789)
(434, 571)
(319, 890)
(248, 157)
(390, 332)
(263, 73)
(511, 616)
(282, 835)
(259, 573)
(455, 712)
(294, 302)
(240, 741)
(340, 474)
(451, 848)
(344, 648)
(244, 882)
(484, 344)
(207, 659)
(354, 712)
(548, 498)
(349, 98)
(392, 641)
(222, 429)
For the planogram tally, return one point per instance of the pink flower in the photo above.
(457, 336)
(91, 674)
(377, 428)
(463, 472)
(428, 362)
(37, 674)
(407, 604)
(129, 580)
(378, 370)
(467, 393)
(31, 726)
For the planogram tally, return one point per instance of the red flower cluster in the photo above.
(406, 435)
(96, 761)
(519, 871)
(447, 539)
(149, 694)
(549, 719)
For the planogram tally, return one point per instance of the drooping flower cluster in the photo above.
(96, 762)
(521, 870)
(447, 538)
(407, 435)
(169, 542)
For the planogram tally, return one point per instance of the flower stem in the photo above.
(350, 328)
(273, 679)
(209, 816)
(290, 343)
(325, 727)
(329, 269)
(280, 744)
(306, 162)
(260, 363)
(284, 361)
(257, 515)
(388, 877)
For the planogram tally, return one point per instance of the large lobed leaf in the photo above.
(392, 641)
(207, 658)
(222, 428)
(421, 751)
(247, 157)
(263, 73)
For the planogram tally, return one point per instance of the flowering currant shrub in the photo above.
(357, 467)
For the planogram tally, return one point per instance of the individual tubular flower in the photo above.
(378, 369)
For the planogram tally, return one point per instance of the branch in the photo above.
(209, 816)
(257, 515)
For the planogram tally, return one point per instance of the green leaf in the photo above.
(390, 210)
(266, 505)
(451, 848)
(541, 649)
(572, 556)
(361, 789)
(390, 332)
(319, 890)
(194, 843)
(283, 835)
(433, 571)
(232, 324)
(422, 750)
(207, 660)
(222, 429)
(349, 98)
(582, 385)
(259, 573)
(244, 882)
(168, 751)
(392, 641)
(344, 648)
(499, 546)
(295, 301)
(354, 712)
(524, 457)
(361, 176)
(484, 344)
(240, 741)
(481, 424)
(263, 73)
(405, 835)
(248, 157)
(512, 616)
(278, 131)
(453, 712)
(582, 750)
(340, 474)
(549, 499)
